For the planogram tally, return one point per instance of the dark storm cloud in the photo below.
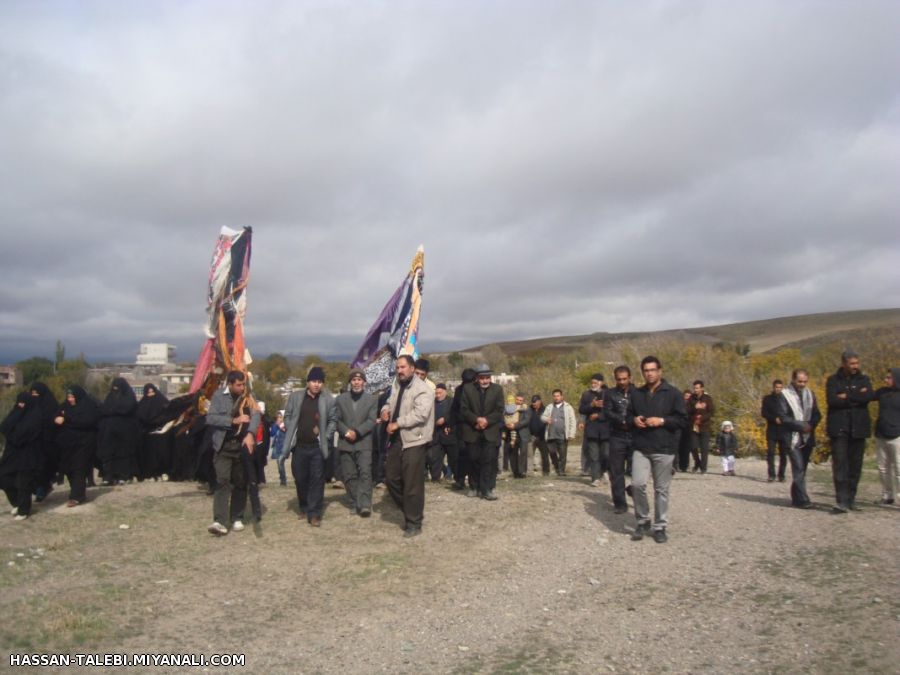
(570, 167)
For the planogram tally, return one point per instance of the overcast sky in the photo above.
(570, 167)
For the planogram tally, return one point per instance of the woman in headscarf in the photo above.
(118, 437)
(47, 472)
(77, 438)
(22, 458)
(154, 449)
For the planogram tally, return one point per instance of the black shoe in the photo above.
(629, 491)
(490, 496)
(458, 486)
(659, 536)
(639, 531)
(365, 512)
(839, 508)
(854, 507)
(780, 479)
(771, 479)
(411, 532)
(620, 509)
(805, 505)
(886, 500)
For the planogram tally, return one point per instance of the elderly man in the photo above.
(481, 414)
(234, 421)
(355, 415)
(309, 424)
(596, 428)
(848, 424)
(658, 414)
(409, 416)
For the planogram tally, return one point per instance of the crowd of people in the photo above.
(415, 431)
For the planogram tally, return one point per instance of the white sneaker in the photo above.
(20, 516)
(15, 511)
(237, 526)
(217, 529)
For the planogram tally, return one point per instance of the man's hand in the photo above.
(241, 419)
(481, 423)
(655, 421)
(385, 415)
(392, 427)
(640, 422)
(593, 417)
(351, 436)
(59, 419)
(439, 422)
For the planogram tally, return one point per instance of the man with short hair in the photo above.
(561, 427)
(616, 406)
(409, 416)
(441, 441)
(423, 366)
(657, 413)
(309, 420)
(700, 410)
(799, 416)
(848, 392)
(234, 421)
(596, 428)
(355, 414)
(481, 414)
(771, 409)
(518, 452)
(887, 436)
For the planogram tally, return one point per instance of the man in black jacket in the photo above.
(596, 428)
(481, 415)
(657, 413)
(771, 410)
(616, 404)
(848, 392)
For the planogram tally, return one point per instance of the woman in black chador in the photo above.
(47, 472)
(118, 438)
(22, 458)
(77, 440)
(154, 449)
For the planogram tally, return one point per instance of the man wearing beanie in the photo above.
(309, 424)
(355, 414)
(409, 416)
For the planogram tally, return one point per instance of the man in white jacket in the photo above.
(561, 424)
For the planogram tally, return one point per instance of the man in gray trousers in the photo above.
(658, 414)
(234, 421)
(355, 414)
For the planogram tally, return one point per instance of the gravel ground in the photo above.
(544, 580)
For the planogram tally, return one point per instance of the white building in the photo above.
(155, 354)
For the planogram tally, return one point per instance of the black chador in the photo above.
(117, 442)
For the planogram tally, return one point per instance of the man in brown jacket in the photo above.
(700, 410)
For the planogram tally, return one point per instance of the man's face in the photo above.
(484, 381)
(404, 370)
(314, 387)
(652, 373)
(421, 374)
(800, 381)
(698, 390)
(778, 388)
(237, 387)
(520, 401)
(357, 384)
(889, 380)
(596, 385)
(851, 365)
(557, 397)
(440, 394)
(536, 404)
(623, 380)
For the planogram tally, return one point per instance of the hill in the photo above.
(801, 331)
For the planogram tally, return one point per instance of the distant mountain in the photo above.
(802, 332)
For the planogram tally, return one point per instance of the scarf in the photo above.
(801, 404)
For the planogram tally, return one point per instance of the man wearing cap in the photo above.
(355, 414)
(409, 416)
(481, 411)
(309, 424)
(596, 428)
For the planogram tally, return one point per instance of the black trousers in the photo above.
(846, 467)
(464, 467)
(619, 451)
(598, 457)
(558, 450)
(252, 478)
(404, 471)
(434, 460)
(776, 440)
(700, 440)
(518, 457)
(483, 456)
(684, 450)
(542, 447)
(799, 459)
(308, 469)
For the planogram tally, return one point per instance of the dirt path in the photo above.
(544, 580)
